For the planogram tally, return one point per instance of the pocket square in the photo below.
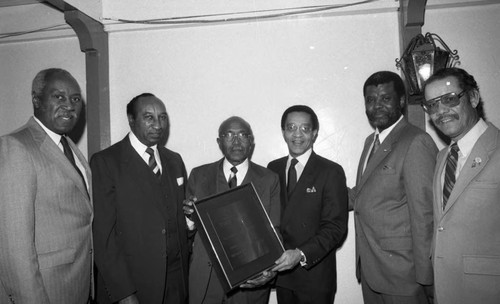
(311, 190)
(180, 181)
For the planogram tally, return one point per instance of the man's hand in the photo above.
(132, 299)
(187, 207)
(261, 280)
(288, 260)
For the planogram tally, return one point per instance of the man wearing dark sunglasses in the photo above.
(466, 242)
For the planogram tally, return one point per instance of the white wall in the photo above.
(256, 70)
(21, 57)
(475, 32)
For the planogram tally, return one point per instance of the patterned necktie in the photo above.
(152, 162)
(69, 155)
(449, 173)
(376, 144)
(292, 176)
(233, 181)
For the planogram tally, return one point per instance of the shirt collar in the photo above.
(138, 145)
(302, 159)
(384, 133)
(242, 169)
(54, 136)
(466, 143)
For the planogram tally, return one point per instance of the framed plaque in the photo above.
(238, 235)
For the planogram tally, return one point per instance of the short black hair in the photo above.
(465, 80)
(132, 105)
(382, 77)
(300, 108)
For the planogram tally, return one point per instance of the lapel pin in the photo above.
(477, 162)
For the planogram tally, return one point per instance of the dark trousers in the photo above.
(288, 296)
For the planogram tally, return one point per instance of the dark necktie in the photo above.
(376, 144)
(233, 181)
(152, 162)
(292, 176)
(449, 173)
(69, 155)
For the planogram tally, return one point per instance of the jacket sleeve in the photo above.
(418, 173)
(19, 266)
(109, 258)
(333, 219)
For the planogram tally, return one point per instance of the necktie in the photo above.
(449, 173)
(233, 181)
(152, 162)
(292, 176)
(376, 144)
(69, 155)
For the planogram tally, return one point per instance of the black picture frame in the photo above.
(238, 235)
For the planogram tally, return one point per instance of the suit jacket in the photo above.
(208, 180)
(466, 244)
(130, 226)
(45, 221)
(313, 219)
(392, 204)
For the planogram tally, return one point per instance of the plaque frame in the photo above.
(238, 235)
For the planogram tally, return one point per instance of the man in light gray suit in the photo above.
(466, 242)
(45, 206)
(392, 200)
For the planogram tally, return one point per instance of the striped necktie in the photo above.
(69, 155)
(152, 162)
(233, 181)
(450, 172)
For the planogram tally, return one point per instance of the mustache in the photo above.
(446, 116)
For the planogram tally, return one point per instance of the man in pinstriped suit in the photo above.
(45, 207)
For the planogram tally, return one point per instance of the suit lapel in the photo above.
(383, 151)
(49, 148)
(136, 169)
(481, 151)
(305, 179)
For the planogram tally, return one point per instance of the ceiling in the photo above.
(4, 3)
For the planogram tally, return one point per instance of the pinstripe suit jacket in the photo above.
(45, 221)
(466, 243)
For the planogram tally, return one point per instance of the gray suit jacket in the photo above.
(392, 204)
(208, 180)
(45, 221)
(466, 243)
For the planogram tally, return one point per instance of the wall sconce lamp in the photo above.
(419, 61)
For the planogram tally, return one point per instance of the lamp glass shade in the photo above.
(423, 62)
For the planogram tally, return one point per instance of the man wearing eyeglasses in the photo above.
(314, 213)
(236, 142)
(466, 243)
(392, 200)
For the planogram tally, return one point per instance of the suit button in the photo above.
(163, 231)
(90, 251)
(440, 228)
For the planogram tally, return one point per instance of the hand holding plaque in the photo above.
(239, 236)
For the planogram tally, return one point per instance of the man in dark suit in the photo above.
(139, 227)
(313, 213)
(236, 142)
(466, 243)
(392, 200)
(45, 207)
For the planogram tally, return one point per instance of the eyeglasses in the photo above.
(450, 100)
(303, 128)
(230, 136)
